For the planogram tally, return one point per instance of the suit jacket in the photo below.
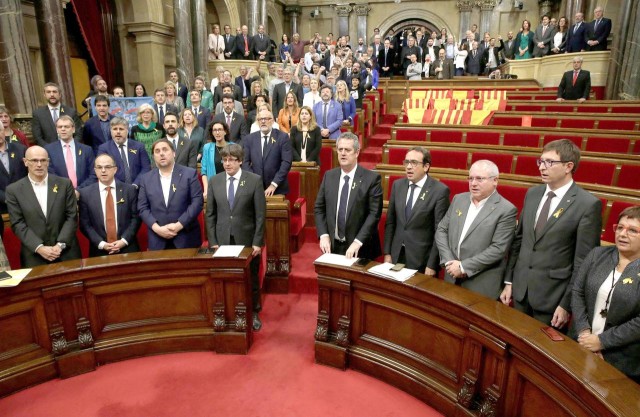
(314, 144)
(30, 225)
(547, 38)
(600, 34)
(17, 170)
(185, 205)
(186, 151)
(203, 116)
(240, 47)
(484, 247)
(416, 233)
(448, 68)
(239, 129)
(183, 92)
(542, 268)
(581, 89)
(261, 45)
(92, 221)
(280, 93)
(473, 63)
(217, 95)
(245, 220)
(275, 164)
(92, 134)
(510, 49)
(229, 46)
(363, 209)
(620, 345)
(43, 128)
(168, 108)
(576, 38)
(84, 163)
(334, 117)
(496, 54)
(386, 61)
(137, 158)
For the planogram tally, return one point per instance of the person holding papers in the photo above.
(235, 215)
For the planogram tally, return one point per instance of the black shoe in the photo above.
(257, 324)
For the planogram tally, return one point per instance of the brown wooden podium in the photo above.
(461, 353)
(67, 318)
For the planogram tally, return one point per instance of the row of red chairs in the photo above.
(566, 122)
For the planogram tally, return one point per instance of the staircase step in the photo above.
(378, 140)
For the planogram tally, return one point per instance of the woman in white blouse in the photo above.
(216, 45)
(313, 96)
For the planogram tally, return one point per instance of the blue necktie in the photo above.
(342, 210)
(231, 194)
(409, 206)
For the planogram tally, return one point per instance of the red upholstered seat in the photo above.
(595, 172)
(608, 235)
(326, 160)
(455, 186)
(381, 227)
(577, 123)
(608, 145)
(483, 138)
(505, 121)
(636, 147)
(575, 139)
(625, 109)
(449, 159)
(529, 140)
(411, 134)
(396, 155)
(502, 160)
(617, 125)
(514, 194)
(298, 204)
(392, 179)
(448, 136)
(526, 165)
(559, 108)
(629, 177)
(540, 121)
(527, 107)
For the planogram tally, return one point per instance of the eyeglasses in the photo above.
(103, 167)
(412, 162)
(265, 119)
(631, 231)
(548, 163)
(38, 161)
(479, 179)
(217, 130)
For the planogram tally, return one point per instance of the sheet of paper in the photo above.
(16, 278)
(228, 251)
(384, 270)
(334, 259)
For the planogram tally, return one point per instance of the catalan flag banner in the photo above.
(418, 94)
(446, 117)
(492, 94)
(417, 103)
(467, 104)
(463, 94)
(415, 115)
(440, 103)
(480, 117)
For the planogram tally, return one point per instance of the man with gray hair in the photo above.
(575, 84)
(475, 235)
(349, 205)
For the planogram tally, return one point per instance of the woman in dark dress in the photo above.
(306, 140)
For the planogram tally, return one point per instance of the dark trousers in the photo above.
(541, 316)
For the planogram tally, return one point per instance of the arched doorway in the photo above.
(412, 25)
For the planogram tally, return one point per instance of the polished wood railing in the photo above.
(65, 319)
(461, 353)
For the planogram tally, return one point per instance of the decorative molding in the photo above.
(467, 391)
(362, 9)
(342, 337)
(486, 4)
(293, 10)
(343, 10)
(85, 338)
(271, 266)
(59, 343)
(219, 322)
(322, 328)
(23, 122)
(489, 404)
(241, 317)
(465, 5)
(284, 265)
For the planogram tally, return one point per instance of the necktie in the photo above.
(342, 210)
(110, 217)
(246, 44)
(231, 194)
(195, 111)
(264, 146)
(71, 169)
(348, 72)
(409, 206)
(55, 115)
(544, 29)
(125, 163)
(575, 77)
(160, 114)
(544, 214)
(175, 144)
(324, 115)
(596, 25)
(229, 121)
(575, 28)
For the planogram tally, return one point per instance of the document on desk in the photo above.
(384, 270)
(228, 251)
(334, 259)
(13, 278)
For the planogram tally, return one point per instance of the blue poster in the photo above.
(126, 107)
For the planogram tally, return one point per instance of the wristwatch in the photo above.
(62, 245)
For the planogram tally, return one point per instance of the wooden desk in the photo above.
(66, 319)
(461, 353)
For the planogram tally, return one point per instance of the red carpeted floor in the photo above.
(277, 378)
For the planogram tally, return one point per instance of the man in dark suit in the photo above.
(509, 47)
(281, 90)
(261, 44)
(407, 51)
(161, 106)
(234, 121)
(170, 201)
(491, 55)
(203, 114)
(235, 215)
(416, 206)
(542, 38)
(109, 212)
(70, 158)
(218, 92)
(97, 130)
(43, 123)
(432, 50)
(181, 89)
(474, 60)
(443, 68)
(244, 44)
(186, 151)
(268, 154)
(132, 160)
(43, 213)
(598, 31)
(576, 36)
(229, 43)
(386, 58)
(349, 205)
(12, 167)
(474, 236)
(559, 224)
(576, 84)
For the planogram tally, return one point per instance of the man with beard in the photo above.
(44, 118)
(97, 129)
(186, 151)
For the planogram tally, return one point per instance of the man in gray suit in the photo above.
(542, 38)
(43, 213)
(474, 236)
(416, 206)
(186, 150)
(559, 224)
(236, 211)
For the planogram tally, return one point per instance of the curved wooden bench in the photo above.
(67, 318)
(459, 352)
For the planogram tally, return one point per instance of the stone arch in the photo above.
(233, 13)
(274, 14)
(413, 14)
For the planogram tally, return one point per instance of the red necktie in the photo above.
(575, 77)
(246, 44)
(110, 214)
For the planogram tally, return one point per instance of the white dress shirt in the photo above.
(474, 210)
(352, 176)
(165, 182)
(555, 201)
